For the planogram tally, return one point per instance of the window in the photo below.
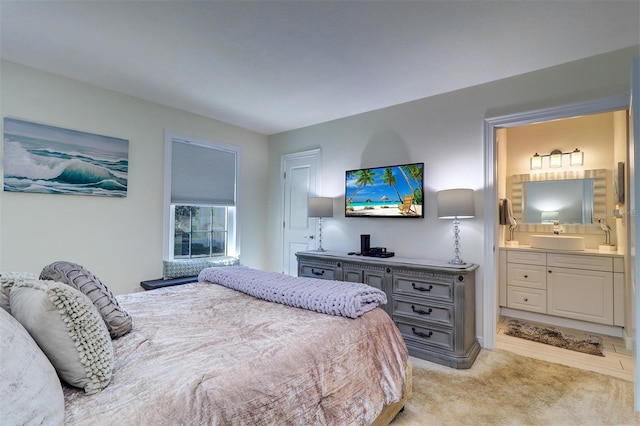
(199, 231)
(200, 198)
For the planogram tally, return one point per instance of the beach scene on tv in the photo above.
(393, 191)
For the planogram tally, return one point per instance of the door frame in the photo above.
(283, 163)
(490, 211)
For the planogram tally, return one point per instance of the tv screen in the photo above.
(392, 191)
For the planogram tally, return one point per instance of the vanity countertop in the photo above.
(590, 252)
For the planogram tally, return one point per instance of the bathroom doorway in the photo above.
(496, 173)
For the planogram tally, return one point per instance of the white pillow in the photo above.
(6, 282)
(30, 390)
(68, 328)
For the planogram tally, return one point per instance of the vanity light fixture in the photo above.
(555, 159)
(576, 158)
(536, 162)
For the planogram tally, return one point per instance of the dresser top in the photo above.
(395, 260)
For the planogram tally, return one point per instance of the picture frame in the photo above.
(40, 158)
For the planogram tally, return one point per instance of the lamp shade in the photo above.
(576, 158)
(455, 203)
(320, 207)
(555, 158)
(536, 162)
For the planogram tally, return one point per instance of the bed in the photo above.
(204, 353)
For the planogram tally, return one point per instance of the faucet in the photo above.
(557, 228)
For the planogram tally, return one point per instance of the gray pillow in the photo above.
(68, 329)
(6, 282)
(118, 321)
(30, 390)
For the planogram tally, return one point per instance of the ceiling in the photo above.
(272, 66)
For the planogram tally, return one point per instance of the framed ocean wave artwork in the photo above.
(39, 158)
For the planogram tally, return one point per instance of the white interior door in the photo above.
(299, 181)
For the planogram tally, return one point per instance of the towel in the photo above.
(326, 296)
(506, 212)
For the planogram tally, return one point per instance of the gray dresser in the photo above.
(431, 302)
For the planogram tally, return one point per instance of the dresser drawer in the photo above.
(425, 334)
(532, 276)
(424, 287)
(314, 271)
(423, 311)
(528, 299)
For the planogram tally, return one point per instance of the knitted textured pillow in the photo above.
(68, 329)
(118, 321)
(6, 282)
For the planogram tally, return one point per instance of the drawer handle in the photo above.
(526, 299)
(526, 276)
(420, 311)
(421, 334)
(314, 272)
(421, 288)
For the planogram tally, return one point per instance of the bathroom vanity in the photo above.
(585, 287)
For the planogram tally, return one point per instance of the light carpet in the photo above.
(503, 388)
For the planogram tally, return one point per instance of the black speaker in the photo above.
(365, 243)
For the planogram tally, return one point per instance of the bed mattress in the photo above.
(201, 353)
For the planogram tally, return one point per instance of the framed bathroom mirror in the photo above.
(575, 198)
(567, 201)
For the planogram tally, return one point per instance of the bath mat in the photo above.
(573, 340)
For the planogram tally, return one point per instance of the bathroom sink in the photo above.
(557, 242)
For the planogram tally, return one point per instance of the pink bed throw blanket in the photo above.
(339, 298)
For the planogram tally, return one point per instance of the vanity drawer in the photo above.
(425, 334)
(531, 276)
(423, 287)
(575, 261)
(314, 271)
(528, 257)
(527, 299)
(423, 311)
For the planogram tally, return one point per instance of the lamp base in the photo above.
(457, 261)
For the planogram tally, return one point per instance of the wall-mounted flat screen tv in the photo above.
(391, 191)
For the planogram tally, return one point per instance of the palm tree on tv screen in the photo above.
(389, 179)
(413, 172)
(363, 178)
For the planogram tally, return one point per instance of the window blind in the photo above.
(202, 174)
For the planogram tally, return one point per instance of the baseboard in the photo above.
(628, 343)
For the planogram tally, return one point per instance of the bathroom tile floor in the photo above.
(617, 362)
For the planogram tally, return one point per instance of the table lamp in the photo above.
(456, 204)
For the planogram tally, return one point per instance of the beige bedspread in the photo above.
(204, 354)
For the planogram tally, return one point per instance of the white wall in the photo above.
(446, 133)
(118, 239)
